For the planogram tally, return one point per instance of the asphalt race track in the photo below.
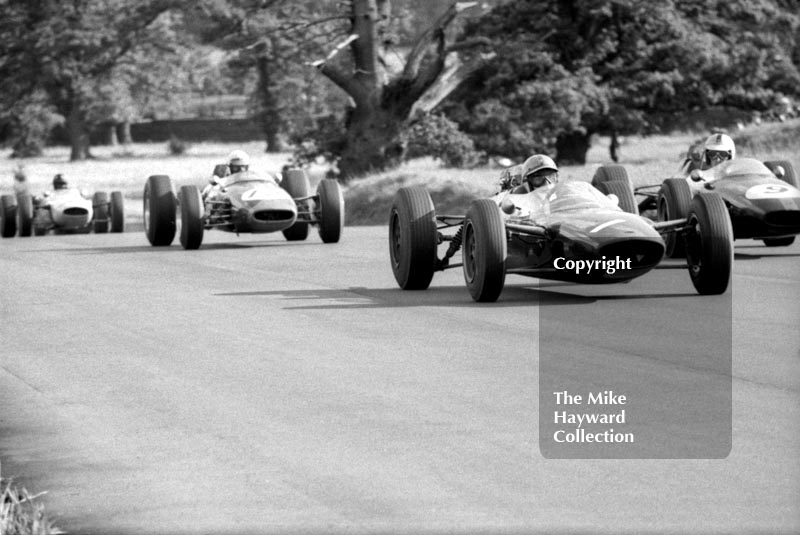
(257, 385)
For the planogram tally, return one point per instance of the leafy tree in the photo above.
(566, 70)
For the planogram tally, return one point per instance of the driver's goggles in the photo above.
(718, 154)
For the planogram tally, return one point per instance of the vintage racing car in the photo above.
(569, 231)
(63, 211)
(763, 199)
(243, 202)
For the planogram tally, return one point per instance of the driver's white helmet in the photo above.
(539, 170)
(238, 160)
(718, 148)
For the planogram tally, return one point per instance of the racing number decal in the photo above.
(772, 191)
(255, 194)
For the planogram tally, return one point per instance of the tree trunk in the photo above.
(371, 143)
(112, 135)
(78, 136)
(571, 148)
(124, 132)
(269, 116)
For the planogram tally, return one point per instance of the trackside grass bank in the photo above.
(21, 513)
(648, 160)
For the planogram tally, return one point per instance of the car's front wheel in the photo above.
(674, 198)
(159, 207)
(485, 250)
(709, 244)
(331, 208)
(192, 211)
(413, 238)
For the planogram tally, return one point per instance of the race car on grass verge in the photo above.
(551, 233)
(763, 199)
(64, 211)
(243, 202)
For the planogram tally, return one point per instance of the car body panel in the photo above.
(65, 210)
(250, 202)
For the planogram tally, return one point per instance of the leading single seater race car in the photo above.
(762, 199)
(63, 211)
(243, 202)
(569, 231)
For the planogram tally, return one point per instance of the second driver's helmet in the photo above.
(238, 161)
(59, 182)
(539, 170)
(717, 149)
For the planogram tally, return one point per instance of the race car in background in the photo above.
(244, 202)
(761, 198)
(63, 211)
(540, 234)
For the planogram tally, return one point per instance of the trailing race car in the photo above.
(568, 231)
(763, 199)
(243, 202)
(64, 211)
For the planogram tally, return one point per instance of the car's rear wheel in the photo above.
(709, 244)
(789, 175)
(674, 199)
(8, 216)
(159, 210)
(779, 242)
(485, 250)
(413, 238)
(623, 192)
(610, 173)
(24, 215)
(296, 184)
(331, 210)
(117, 212)
(100, 207)
(192, 211)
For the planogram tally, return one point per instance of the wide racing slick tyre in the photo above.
(331, 210)
(192, 212)
(778, 242)
(159, 210)
(117, 215)
(24, 215)
(8, 216)
(674, 199)
(611, 173)
(485, 250)
(413, 238)
(100, 206)
(622, 191)
(296, 184)
(789, 175)
(709, 244)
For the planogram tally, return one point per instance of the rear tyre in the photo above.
(159, 210)
(191, 204)
(485, 250)
(331, 210)
(100, 205)
(25, 215)
(296, 183)
(610, 173)
(623, 192)
(8, 216)
(674, 199)
(779, 242)
(413, 238)
(709, 244)
(789, 175)
(117, 212)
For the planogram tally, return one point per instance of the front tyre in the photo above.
(296, 184)
(709, 244)
(674, 198)
(331, 210)
(159, 210)
(485, 250)
(100, 207)
(413, 238)
(192, 212)
(8, 216)
(623, 192)
(117, 212)
(25, 215)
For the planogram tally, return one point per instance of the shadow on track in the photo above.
(443, 296)
(168, 248)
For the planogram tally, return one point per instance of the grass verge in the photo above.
(21, 514)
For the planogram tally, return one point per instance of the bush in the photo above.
(177, 146)
(439, 137)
